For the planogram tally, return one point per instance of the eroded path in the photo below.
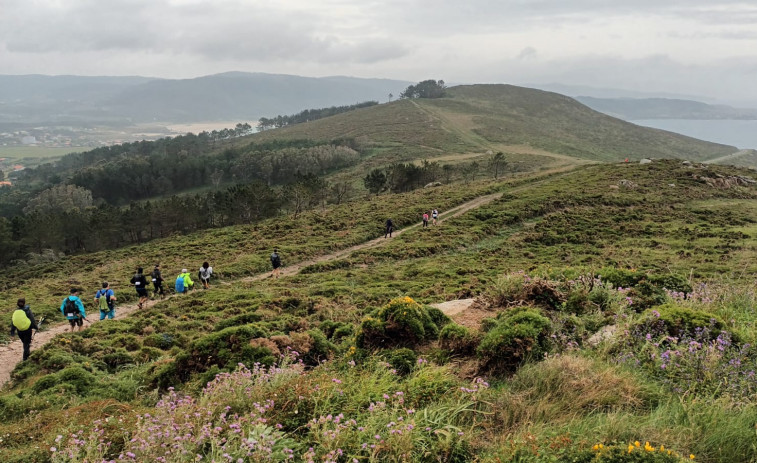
(10, 354)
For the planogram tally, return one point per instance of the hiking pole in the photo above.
(39, 326)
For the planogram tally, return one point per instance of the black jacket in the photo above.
(29, 314)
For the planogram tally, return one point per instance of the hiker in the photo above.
(73, 309)
(140, 284)
(389, 228)
(425, 219)
(105, 299)
(157, 282)
(205, 272)
(275, 263)
(23, 321)
(434, 215)
(183, 282)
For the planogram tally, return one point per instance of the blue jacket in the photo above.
(79, 305)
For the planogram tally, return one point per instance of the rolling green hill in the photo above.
(607, 313)
(478, 118)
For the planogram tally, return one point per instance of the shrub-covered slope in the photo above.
(608, 314)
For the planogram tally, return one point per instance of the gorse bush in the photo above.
(400, 323)
(519, 335)
(680, 321)
(458, 339)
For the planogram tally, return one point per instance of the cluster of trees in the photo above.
(402, 177)
(143, 170)
(70, 224)
(426, 89)
(265, 123)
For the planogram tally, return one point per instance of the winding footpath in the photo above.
(10, 354)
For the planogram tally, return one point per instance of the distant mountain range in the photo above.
(664, 108)
(222, 97)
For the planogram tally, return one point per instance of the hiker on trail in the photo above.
(140, 284)
(425, 219)
(205, 272)
(275, 263)
(434, 215)
(183, 282)
(73, 309)
(23, 321)
(389, 228)
(105, 299)
(157, 282)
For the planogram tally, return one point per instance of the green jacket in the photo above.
(188, 283)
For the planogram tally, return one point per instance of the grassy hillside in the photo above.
(669, 279)
(479, 118)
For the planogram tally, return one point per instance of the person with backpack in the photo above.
(434, 216)
(205, 272)
(425, 219)
(23, 322)
(73, 309)
(183, 282)
(140, 284)
(275, 263)
(157, 282)
(105, 299)
(389, 228)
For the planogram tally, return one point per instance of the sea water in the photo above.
(738, 133)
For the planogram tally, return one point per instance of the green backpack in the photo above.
(20, 320)
(103, 301)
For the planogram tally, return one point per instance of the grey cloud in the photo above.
(527, 53)
(236, 30)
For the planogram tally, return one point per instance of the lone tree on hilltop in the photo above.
(426, 89)
(497, 162)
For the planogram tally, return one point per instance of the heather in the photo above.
(601, 319)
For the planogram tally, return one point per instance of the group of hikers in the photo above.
(72, 307)
(389, 225)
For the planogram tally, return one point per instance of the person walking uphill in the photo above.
(183, 282)
(23, 322)
(275, 263)
(205, 272)
(425, 219)
(73, 309)
(140, 284)
(157, 282)
(105, 299)
(389, 228)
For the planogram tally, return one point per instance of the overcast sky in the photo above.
(697, 47)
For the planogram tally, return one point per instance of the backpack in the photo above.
(155, 275)
(70, 308)
(20, 320)
(180, 284)
(103, 302)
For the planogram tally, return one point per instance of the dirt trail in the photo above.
(10, 354)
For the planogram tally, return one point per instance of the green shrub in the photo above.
(320, 348)
(343, 332)
(578, 302)
(619, 277)
(600, 296)
(438, 317)
(237, 320)
(671, 282)
(58, 360)
(645, 295)
(401, 323)
(487, 324)
(117, 358)
(403, 360)
(225, 349)
(80, 379)
(516, 338)
(682, 320)
(160, 340)
(458, 339)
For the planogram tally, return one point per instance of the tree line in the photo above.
(68, 222)
(265, 123)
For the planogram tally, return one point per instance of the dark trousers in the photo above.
(26, 340)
